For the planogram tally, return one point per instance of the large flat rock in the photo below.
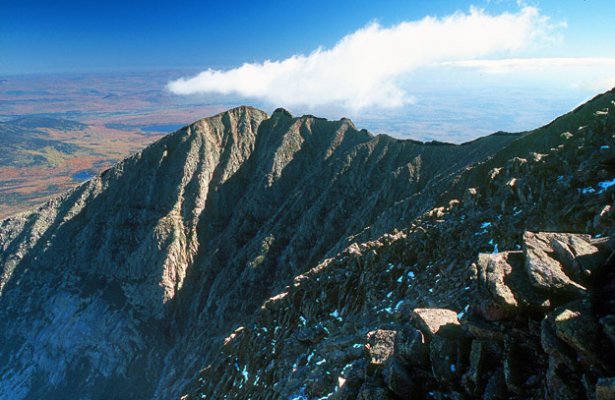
(430, 320)
(545, 272)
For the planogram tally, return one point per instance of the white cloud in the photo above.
(533, 64)
(590, 74)
(365, 68)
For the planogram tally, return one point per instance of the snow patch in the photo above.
(340, 382)
(604, 185)
(336, 314)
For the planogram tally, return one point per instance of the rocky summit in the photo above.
(249, 256)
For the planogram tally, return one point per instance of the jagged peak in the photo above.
(281, 112)
(348, 121)
(311, 116)
(238, 111)
(243, 109)
(343, 120)
(234, 118)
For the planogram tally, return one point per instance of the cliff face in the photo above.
(87, 278)
(129, 285)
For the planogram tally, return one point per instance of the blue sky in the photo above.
(449, 70)
(45, 36)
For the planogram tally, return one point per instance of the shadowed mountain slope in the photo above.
(126, 286)
(463, 302)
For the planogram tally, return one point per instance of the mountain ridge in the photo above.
(342, 346)
(165, 246)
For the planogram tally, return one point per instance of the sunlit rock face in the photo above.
(271, 256)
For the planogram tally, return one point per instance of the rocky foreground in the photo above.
(248, 256)
(528, 330)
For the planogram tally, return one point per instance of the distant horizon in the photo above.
(456, 115)
(449, 70)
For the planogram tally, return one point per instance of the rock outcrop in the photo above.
(248, 256)
(557, 350)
